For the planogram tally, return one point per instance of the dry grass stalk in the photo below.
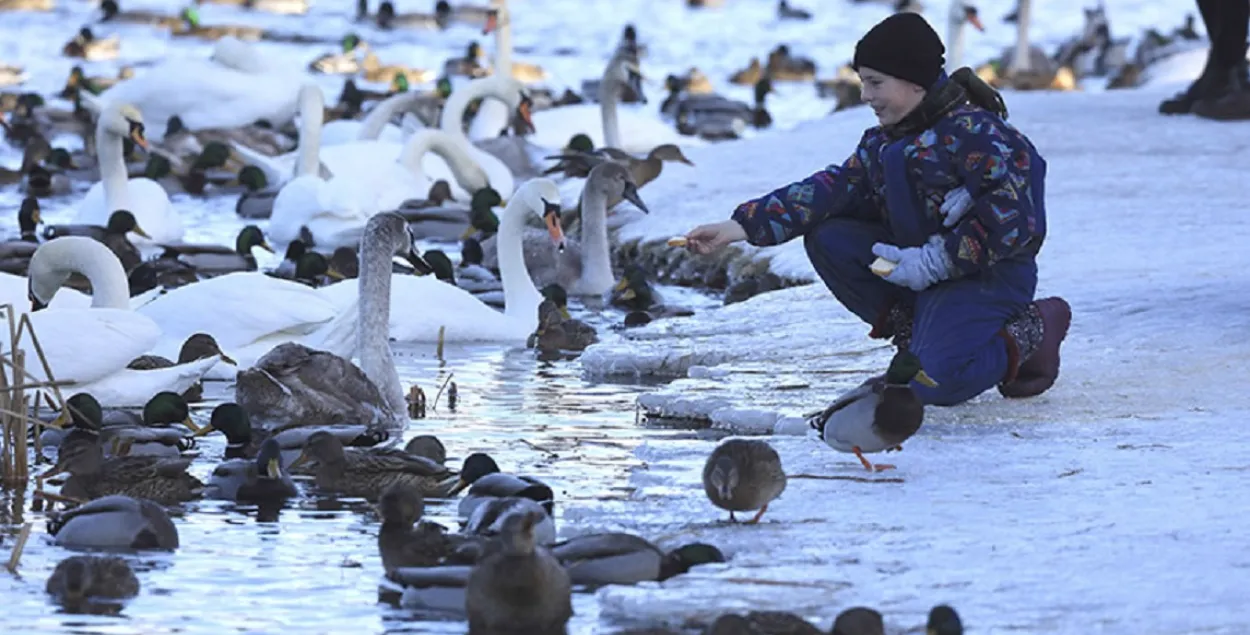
(434, 406)
(438, 352)
(19, 547)
(15, 417)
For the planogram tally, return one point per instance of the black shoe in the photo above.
(1231, 104)
(1211, 84)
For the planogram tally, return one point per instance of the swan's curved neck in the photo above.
(954, 41)
(521, 298)
(453, 149)
(57, 259)
(312, 115)
(458, 102)
(373, 322)
(112, 168)
(609, 89)
(381, 114)
(503, 41)
(596, 256)
(1021, 62)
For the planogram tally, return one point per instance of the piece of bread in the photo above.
(882, 267)
(677, 241)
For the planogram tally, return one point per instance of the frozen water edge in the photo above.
(1115, 526)
(1138, 206)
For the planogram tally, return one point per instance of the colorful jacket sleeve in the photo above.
(793, 210)
(998, 166)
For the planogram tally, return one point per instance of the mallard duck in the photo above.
(488, 518)
(468, 66)
(366, 474)
(210, 147)
(113, 14)
(77, 580)
(211, 260)
(749, 75)
(78, 80)
(148, 433)
(190, 26)
(259, 480)
(376, 71)
(783, 67)
(787, 12)
(28, 220)
(114, 522)
(520, 587)
(344, 62)
(280, 7)
(578, 164)
(943, 620)
(387, 19)
(558, 333)
(618, 558)
(439, 588)
(878, 415)
(428, 446)
(86, 46)
(743, 475)
(859, 620)
(770, 622)
(36, 151)
(256, 201)
(11, 75)
(481, 475)
(399, 542)
(26, 5)
(198, 346)
(113, 235)
(160, 479)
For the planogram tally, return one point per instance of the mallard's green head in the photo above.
(253, 178)
(250, 236)
(232, 421)
(556, 293)
(28, 217)
(350, 42)
(123, 222)
(904, 368)
(157, 167)
(81, 411)
(485, 199)
(201, 346)
(110, 9)
(943, 620)
(269, 460)
(294, 250)
(484, 220)
(681, 559)
(582, 143)
(61, 159)
(174, 125)
(441, 265)
(399, 83)
(191, 16)
(476, 466)
(165, 408)
(633, 288)
(401, 504)
(214, 155)
(471, 252)
(443, 87)
(311, 265)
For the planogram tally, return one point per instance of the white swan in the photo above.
(376, 126)
(91, 347)
(15, 290)
(335, 210)
(503, 88)
(143, 197)
(232, 89)
(294, 385)
(959, 15)
(493, 116)
(431, 303)
(635, 129)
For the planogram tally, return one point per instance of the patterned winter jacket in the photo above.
(901, 179)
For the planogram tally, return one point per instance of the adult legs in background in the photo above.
(1229, 50)
(1214, 74)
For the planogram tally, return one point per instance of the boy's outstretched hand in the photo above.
(706, 239)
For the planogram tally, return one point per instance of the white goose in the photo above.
(91, 347)
(465, 317)
(635, 129)
(959, 15)
(233, 88)
(143, 197)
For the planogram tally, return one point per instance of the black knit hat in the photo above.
(903, 46)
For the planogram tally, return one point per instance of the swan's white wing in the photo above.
(14, 290)
(86, 345)
(147, 200)
(238, 309)
(128, 388)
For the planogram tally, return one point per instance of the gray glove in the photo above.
(958, 202)
(917, 268)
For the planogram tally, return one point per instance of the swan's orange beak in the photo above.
(975, 21)
(136, 135)
(551, 218)
(524, 114)
(492, 22)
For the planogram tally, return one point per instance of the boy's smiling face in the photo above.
(889, 97)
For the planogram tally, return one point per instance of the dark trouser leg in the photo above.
(959, 331)
(1232, 101)
(1214, 74)
(1229, 43)
(841, 250)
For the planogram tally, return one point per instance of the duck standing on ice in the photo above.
(930, 231)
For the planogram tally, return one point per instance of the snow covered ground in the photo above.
(1102, 506)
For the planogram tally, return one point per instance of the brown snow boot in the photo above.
(1033, 341)
(895, 323)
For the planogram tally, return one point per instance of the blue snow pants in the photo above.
(957, 329)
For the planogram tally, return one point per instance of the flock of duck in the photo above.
(130, 319)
